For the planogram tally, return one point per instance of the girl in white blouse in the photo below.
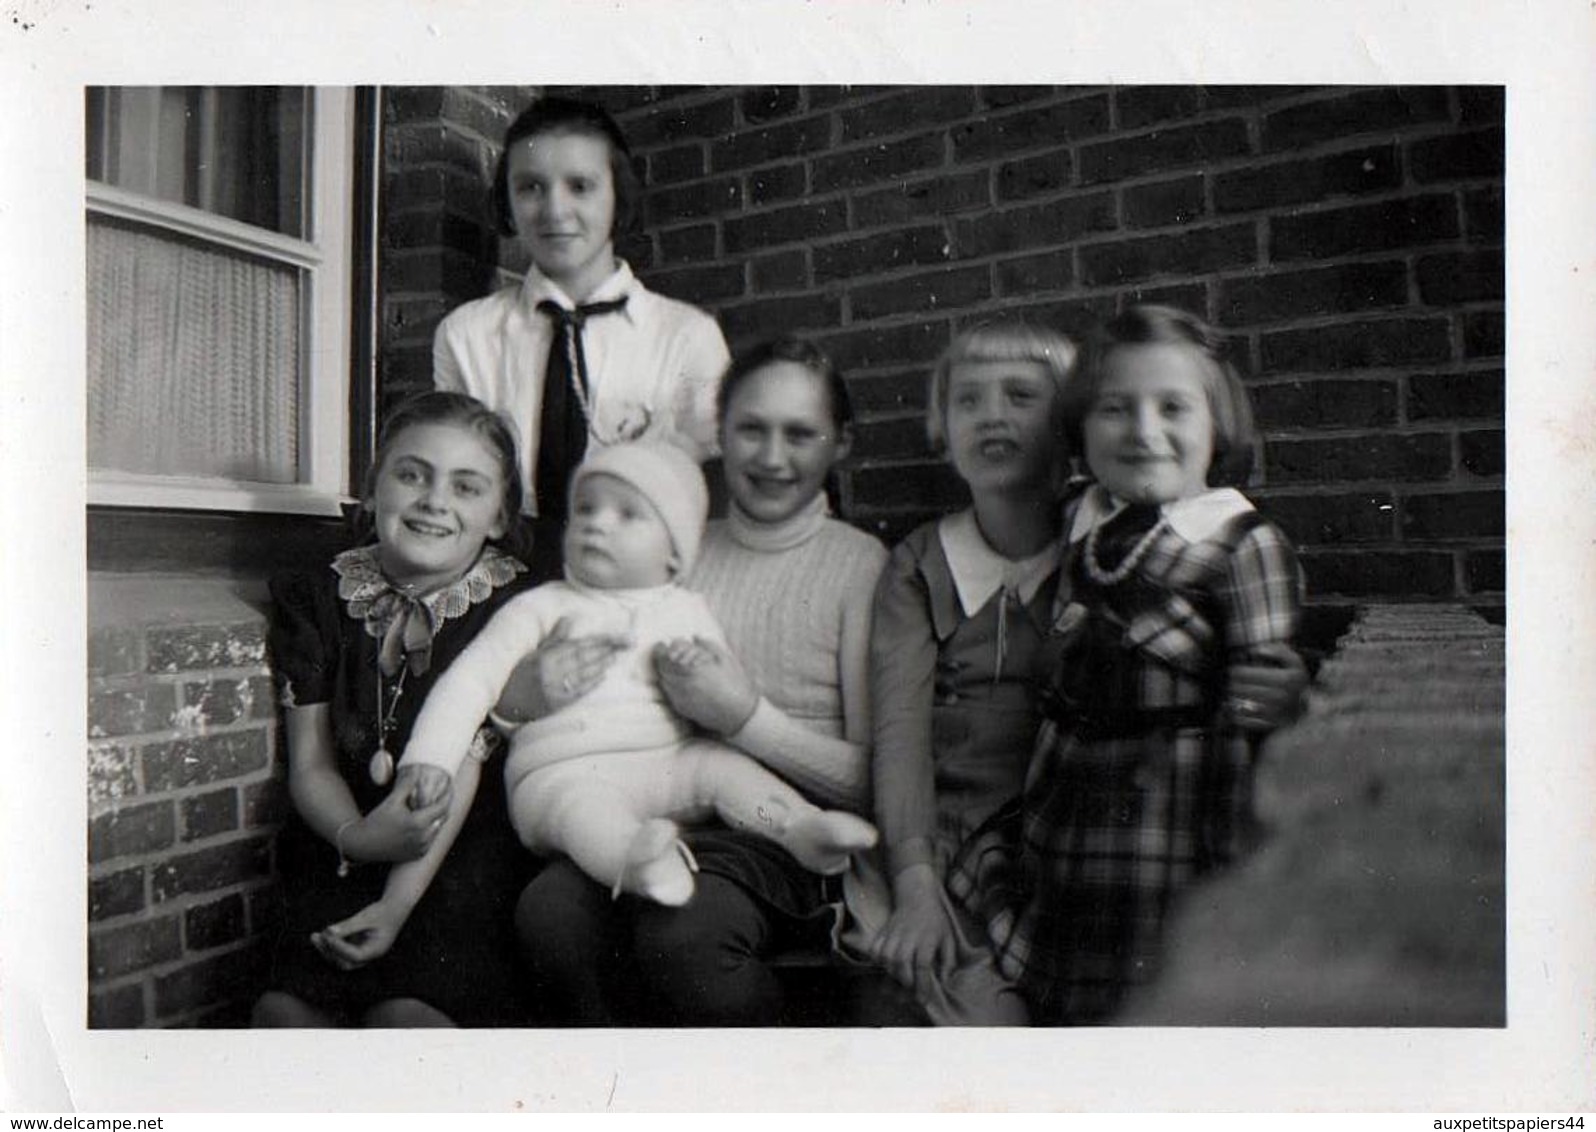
(628, 362)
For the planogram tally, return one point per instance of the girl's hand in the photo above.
(402, 825)
(559, 672)
(918, 938)
(705, 683)
(362, 938)
(1265, 689)
(422, 785)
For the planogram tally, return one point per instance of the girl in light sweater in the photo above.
(791, 588)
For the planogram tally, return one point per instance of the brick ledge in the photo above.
(124, 600)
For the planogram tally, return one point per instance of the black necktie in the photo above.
(562, 427)
(1123, 532)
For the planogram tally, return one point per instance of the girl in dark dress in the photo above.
(356, 645)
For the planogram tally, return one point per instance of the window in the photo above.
(218, 296)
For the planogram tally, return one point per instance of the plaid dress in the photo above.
(1137, 785)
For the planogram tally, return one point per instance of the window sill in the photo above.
(205, 495)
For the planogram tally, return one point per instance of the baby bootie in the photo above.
(659, 866)
(821, 840)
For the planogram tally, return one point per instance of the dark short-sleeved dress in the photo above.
(457, 950)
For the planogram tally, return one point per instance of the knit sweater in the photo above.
(794, 600)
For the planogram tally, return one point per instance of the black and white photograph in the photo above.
(965, 575)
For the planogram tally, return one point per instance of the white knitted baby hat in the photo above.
(667, 477)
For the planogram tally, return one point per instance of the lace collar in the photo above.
(768, 538)
(405, 622)
(1192, 519)
(979, 571)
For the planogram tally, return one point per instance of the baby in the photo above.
(605, 779)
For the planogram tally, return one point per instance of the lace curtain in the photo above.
(194, 355)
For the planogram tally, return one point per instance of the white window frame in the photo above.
(325, 258)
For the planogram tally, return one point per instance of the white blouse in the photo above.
(653, 367)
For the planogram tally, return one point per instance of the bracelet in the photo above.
(338, 843)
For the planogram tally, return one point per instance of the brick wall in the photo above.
(438, 243)
(184, 795)
(1351, 238)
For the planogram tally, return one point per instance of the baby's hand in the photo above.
(705, 683)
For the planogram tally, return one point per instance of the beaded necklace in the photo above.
(1132, 559)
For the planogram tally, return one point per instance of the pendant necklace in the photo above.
(381, 765)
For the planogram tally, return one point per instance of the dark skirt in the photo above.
(457, 952)
(802, 906)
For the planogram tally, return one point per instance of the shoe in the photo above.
(659, 866)
(822, 840)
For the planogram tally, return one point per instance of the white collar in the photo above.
(538, 287)
(979, 571)
(1193, 519)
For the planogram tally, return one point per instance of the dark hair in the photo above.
(554, 115)
(438, 407)
(799, 351)
(1149, 325)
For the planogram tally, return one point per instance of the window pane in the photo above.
(239, 152)
(194, 358)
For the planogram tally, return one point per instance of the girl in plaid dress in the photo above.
(1171, 583)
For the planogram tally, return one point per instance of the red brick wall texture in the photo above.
(1351, 238)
